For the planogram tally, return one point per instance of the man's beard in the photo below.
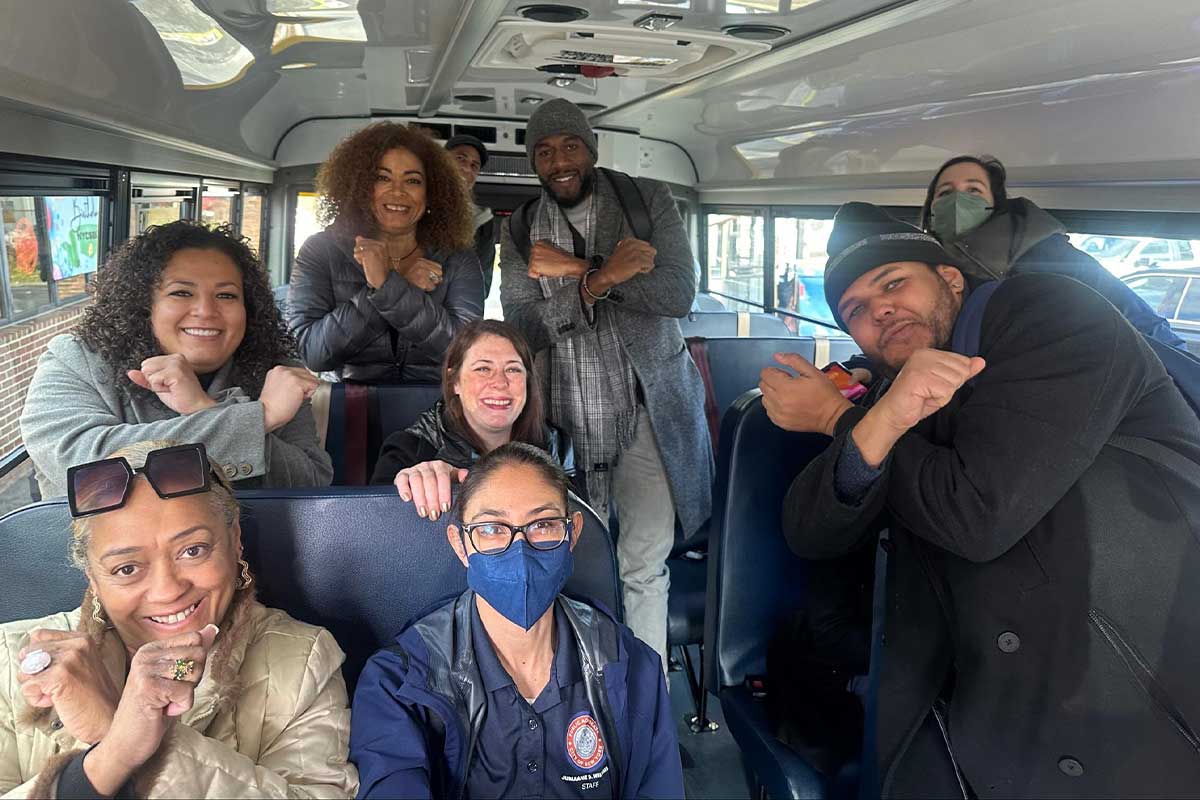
(587, 181)
(940, 322)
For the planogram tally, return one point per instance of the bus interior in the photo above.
(762, 116)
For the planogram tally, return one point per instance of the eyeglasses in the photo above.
(493, 538)
(100, 486)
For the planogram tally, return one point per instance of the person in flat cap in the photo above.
(471, 156)
(596, 272)
(1039, 473)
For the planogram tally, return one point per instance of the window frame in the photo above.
(22, 177)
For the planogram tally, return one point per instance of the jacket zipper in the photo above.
(1142, 673)
(966, 251)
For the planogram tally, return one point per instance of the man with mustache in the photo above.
(603, 306)
(1042, 491)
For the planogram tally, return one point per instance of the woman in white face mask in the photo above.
(968, 209)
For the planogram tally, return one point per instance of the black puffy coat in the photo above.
(1042, 576)
(396, 334)
(429, 439)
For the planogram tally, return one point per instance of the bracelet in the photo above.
(589, 291)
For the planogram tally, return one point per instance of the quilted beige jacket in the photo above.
(271, 717)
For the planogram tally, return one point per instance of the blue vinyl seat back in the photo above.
(735, 363)
(725, 323)
(707, 302)
(754, 581)
(842, 349)
(399, 406)
(359, 562)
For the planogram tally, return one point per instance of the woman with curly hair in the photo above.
(377, 296)
(183, 341)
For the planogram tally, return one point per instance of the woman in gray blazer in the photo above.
(183, 341)
(377, 296)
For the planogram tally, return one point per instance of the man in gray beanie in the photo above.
(601, 308)
(1038, 473)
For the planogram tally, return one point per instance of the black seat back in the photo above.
(754, 580)
(359, 562)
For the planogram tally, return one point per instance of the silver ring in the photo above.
(35, 661)
(433, 276)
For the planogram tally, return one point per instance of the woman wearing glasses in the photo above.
(183, 342)
(170, 680)
(486, 402)
(512, 689)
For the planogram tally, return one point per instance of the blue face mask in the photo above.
(521, 583)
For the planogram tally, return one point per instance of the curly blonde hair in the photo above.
(346, 182)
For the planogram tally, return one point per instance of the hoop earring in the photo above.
(98, 613)
(246, 578)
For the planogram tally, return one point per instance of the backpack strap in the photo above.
(633, 204)
(967, 328)
(518, 226)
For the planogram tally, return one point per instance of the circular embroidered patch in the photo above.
(585, 748)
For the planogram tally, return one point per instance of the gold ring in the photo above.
(183, 667)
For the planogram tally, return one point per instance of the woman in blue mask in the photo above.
(968, 209)
(512, 689)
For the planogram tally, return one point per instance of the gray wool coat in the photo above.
(75, 414)
(648, 307)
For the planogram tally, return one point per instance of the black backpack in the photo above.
(633, 205)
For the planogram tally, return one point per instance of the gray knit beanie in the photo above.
(557, 117)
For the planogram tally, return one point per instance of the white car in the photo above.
(1122, 255)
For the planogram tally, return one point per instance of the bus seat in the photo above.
(735, 363)
(361, 417)
(754, 583)
(358, 561)
(706, 302)
(726, 323)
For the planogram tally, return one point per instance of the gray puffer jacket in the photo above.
(395, 334)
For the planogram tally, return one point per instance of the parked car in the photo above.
(1174, 294)
(1122, 255)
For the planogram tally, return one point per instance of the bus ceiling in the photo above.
(787, 96)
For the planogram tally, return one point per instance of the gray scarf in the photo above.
(592, 386)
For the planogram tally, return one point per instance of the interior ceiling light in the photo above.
(755, 32)
(207, 56)
(591, 108)
(561, 82)
(657, 21)
(531, 100)
(298, 65)
(545, 12)
(473, 98)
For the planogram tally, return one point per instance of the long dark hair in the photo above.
(346, 183)
(117, 324)
(997, 177)
(530, 424)
(518, 453)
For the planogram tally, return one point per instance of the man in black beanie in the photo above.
(1041, 487)
(602, 304)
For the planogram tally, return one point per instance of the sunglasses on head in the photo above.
(104, 485)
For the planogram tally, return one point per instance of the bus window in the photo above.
(252, 220)
(217, 204)
(51, 245)
(305, 220)
(800, 273)
(736, 265)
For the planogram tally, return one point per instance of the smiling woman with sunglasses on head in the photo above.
(170, 680)
(182, 342)
(512, 689)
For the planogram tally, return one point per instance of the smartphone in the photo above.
(844, 381)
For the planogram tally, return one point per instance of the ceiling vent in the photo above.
(547, 12)
(615, 49)
(756, 33)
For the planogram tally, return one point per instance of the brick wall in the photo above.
(20, 346)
